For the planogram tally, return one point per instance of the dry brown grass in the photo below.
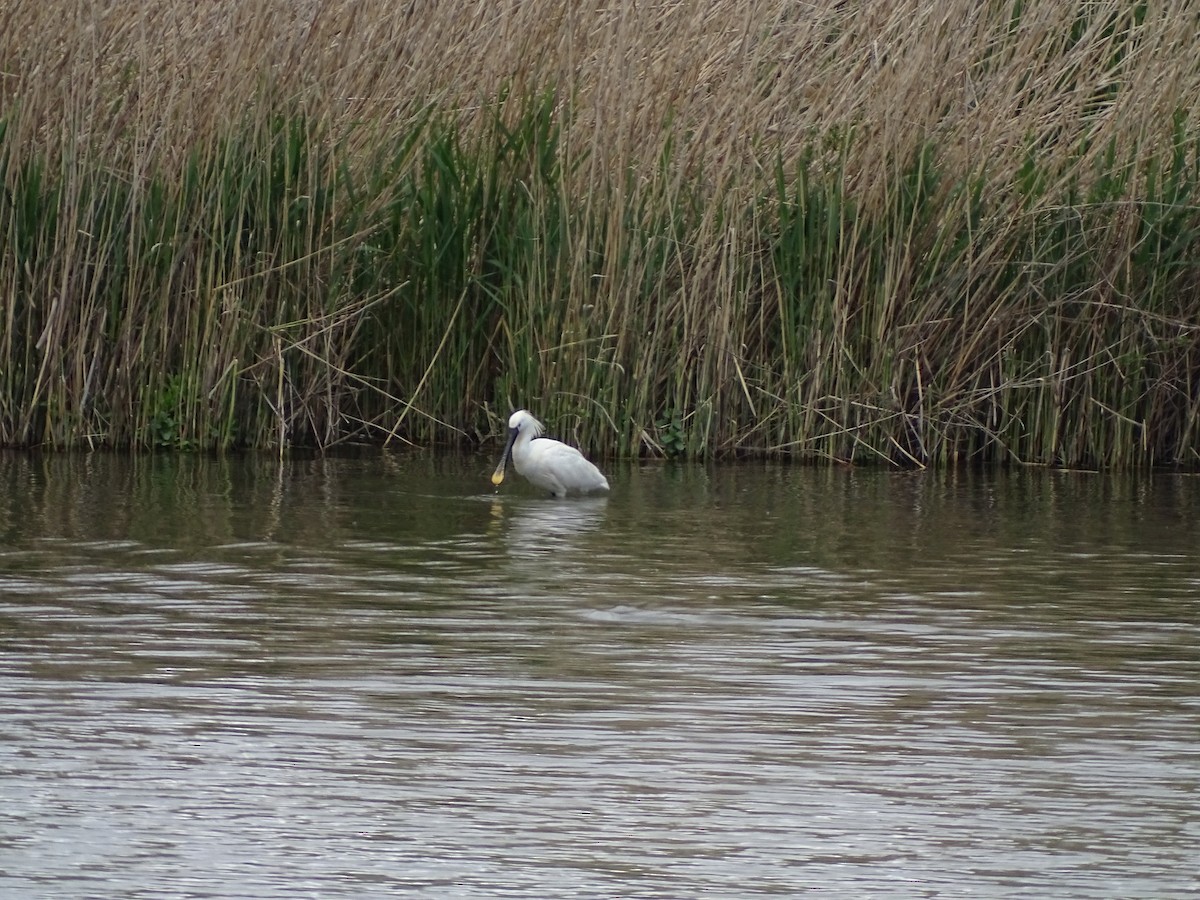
(738, 82)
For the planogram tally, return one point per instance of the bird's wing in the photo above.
(570, 467)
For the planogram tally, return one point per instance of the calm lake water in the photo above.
(376, 676)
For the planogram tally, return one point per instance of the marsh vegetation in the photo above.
(865, 231)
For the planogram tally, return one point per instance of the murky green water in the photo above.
(371, 677)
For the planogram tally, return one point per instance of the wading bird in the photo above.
(545, 463)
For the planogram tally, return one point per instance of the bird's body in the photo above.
(545, 463)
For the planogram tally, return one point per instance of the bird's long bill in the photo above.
(498, 475)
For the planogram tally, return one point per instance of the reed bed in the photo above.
(889, 231)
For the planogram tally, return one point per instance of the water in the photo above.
(371, 677)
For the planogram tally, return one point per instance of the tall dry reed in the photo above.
(880, 230)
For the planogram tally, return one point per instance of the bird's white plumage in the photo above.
(545, 463)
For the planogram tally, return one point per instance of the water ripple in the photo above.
(597, 700)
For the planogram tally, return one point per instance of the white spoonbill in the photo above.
(545, 463)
